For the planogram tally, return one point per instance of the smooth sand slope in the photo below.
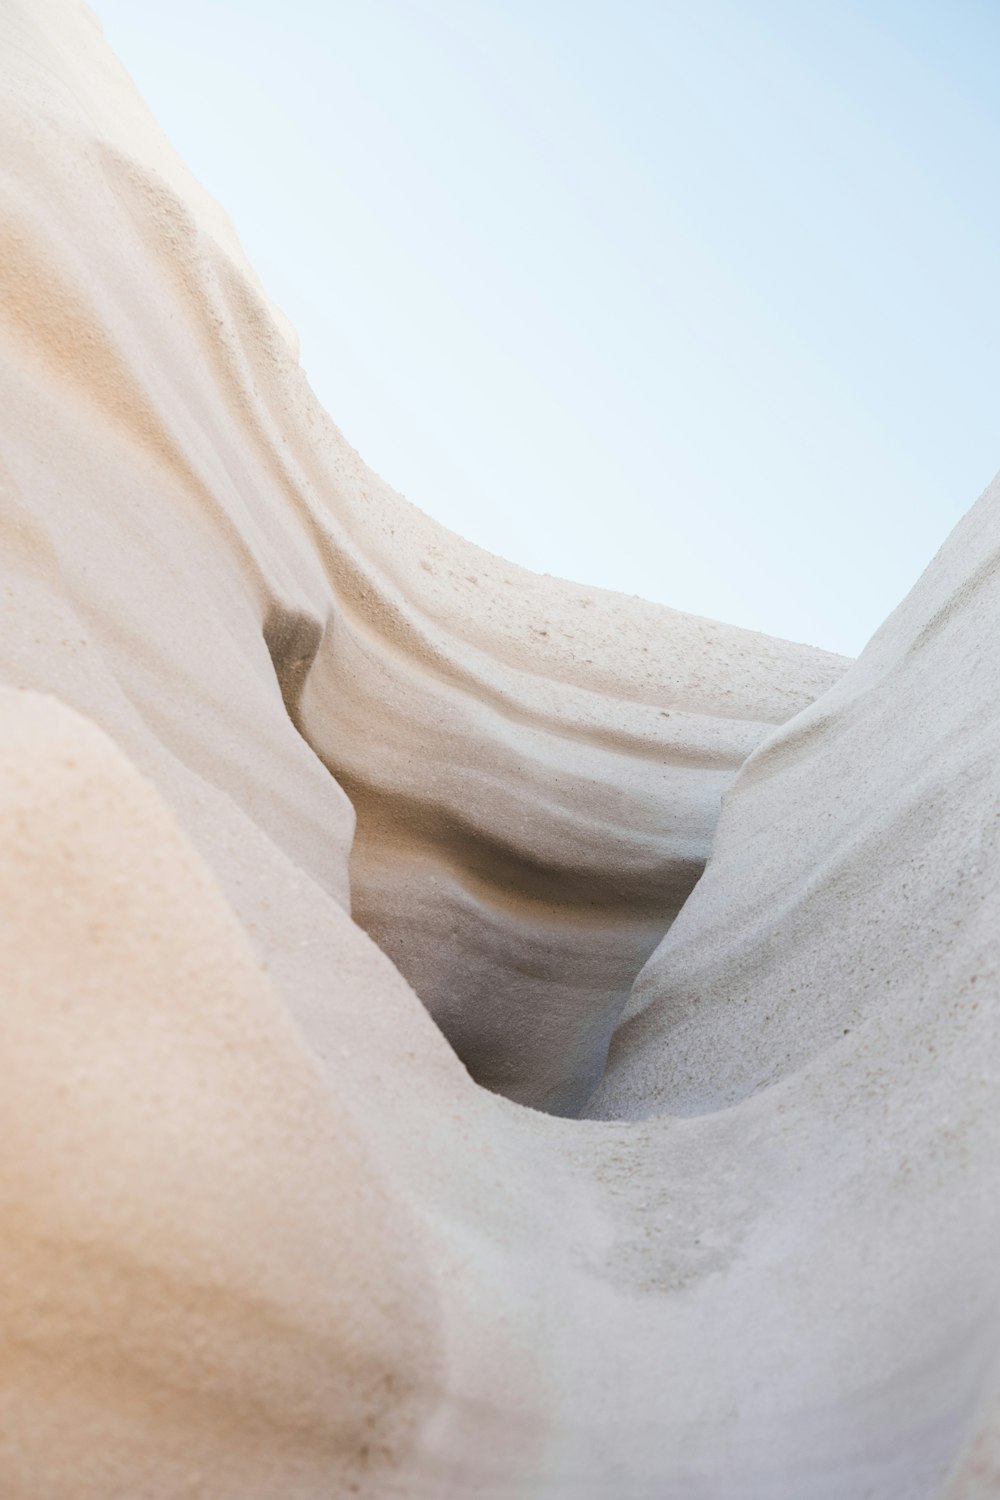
(263, 1234)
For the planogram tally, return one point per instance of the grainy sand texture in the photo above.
(398, 1100)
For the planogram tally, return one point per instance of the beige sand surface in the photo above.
(263, 1235)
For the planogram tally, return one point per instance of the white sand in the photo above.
(261, 1234)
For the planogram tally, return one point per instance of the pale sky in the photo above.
(697, 301)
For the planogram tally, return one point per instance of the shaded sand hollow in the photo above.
(370, 1126)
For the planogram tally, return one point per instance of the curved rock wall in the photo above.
(535, 767)
(263, 1234)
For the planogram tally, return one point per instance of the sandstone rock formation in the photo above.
(263, 1234)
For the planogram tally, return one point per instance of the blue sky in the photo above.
(697, 301)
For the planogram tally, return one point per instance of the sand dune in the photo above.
(333, 848)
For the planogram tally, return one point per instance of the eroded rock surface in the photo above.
(286, 771)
